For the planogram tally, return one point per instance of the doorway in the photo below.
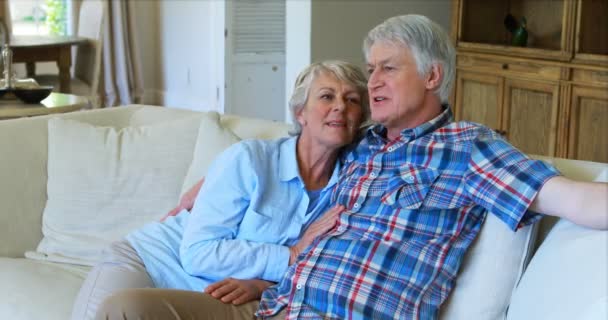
(255, 59)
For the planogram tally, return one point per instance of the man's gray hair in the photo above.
(427, 41)
(343, 71)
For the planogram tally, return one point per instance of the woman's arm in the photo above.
(584, 203)
(209, 248)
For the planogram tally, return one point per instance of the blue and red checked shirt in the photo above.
(414, 206)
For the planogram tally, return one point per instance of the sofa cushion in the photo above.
(103, 183)
(38, 290)
(567, 278)
(24, 165)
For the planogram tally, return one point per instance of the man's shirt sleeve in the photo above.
(504, 181)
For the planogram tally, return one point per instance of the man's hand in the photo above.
(318, 228)
(237, 291)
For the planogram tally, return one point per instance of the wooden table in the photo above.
(32, 49)
(54, 103)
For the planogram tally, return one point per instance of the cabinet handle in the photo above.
(505, 66)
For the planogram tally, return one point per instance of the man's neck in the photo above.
(426, 114)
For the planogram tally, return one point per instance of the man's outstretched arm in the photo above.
(584, 203)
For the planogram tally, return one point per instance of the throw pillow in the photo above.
(489, 272)
(211, 141)
(103, 183)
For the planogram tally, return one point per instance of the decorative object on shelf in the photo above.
(519, 33)
(34, 95)
(27, 90)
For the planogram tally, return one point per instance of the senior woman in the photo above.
(256, 212)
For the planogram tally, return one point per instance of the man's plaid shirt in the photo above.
(414, 205)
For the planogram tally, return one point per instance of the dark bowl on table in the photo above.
(34, 95)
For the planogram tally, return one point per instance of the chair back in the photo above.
(87, 61)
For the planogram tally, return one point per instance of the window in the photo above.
(39, 17)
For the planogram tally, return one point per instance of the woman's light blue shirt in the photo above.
(252, 206)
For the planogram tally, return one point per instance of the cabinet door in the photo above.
(479, 98)
(588, 131)
(530, 115)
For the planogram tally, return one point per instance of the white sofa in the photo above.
(566, 278)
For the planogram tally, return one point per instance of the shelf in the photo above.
(592, 32)
(549, 26)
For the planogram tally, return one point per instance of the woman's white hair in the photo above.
(427, 41)
(343, 71)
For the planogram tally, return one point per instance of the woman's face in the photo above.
(332, 114)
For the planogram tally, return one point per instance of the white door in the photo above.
(255, 58)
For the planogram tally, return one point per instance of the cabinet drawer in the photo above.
(500, 65)
(593, 77)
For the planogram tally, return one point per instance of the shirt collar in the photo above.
(288, 163)
(378, 132)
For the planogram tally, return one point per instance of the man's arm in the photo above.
(584, 203)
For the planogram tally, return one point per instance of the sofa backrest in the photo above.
(23, 162)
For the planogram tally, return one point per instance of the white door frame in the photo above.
(218, 47)
(297, 51)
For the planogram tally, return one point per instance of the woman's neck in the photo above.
(316, 165)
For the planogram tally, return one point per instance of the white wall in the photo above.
(178, 43)
(186, 55)
(297, 44)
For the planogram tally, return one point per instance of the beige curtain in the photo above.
(5, 16)
(121, 81)
(121, 70)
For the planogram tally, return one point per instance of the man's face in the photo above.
(397, 92)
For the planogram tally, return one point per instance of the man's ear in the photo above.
(433, 79)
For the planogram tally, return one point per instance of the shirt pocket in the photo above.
(268, 224)
(408, 189)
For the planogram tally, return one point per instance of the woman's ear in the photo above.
(433, 79)
(300, 116)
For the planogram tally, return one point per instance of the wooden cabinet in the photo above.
(588, 126)
(549, 97)
(530, 115)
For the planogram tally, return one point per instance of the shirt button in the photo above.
(390, 149)
(299, 286)
(356, 205)
(410, 178)
(317, 251)
(373, 175)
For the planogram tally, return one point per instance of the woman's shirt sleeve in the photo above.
(209, 247)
